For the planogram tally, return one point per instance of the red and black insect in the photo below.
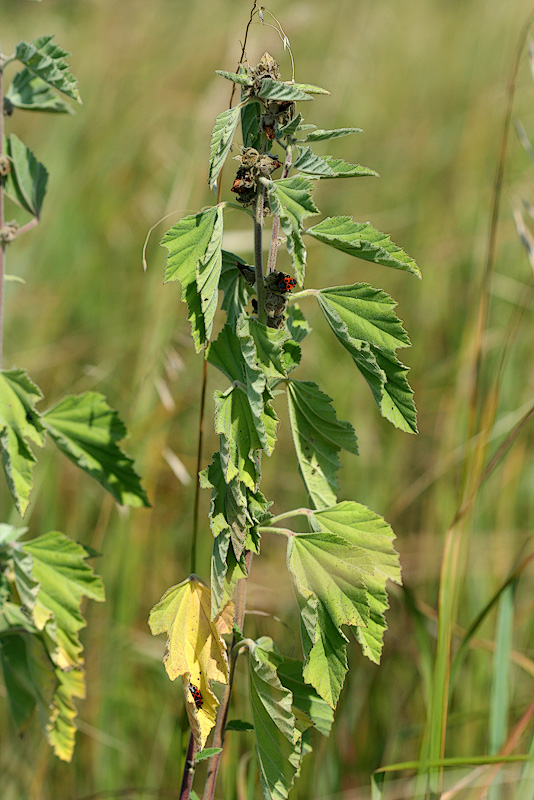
(197, 695)
(285, 282)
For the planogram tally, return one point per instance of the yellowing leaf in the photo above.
(195, 648)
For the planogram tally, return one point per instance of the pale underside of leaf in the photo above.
(47, 60)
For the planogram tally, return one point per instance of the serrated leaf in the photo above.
(284, 92)
(266, 347)
(288, 131)
(26, 182)
(228, 505)
(27, 587)
(208, 752)
(236, 291)
(342, 169)
(318, 437)
(291, 200)
(194, 259)
(240, 443)
(313, 164)
(29, 677)
(297, 323)
(305, 698)
(61, 729)
(195, 650)
(225, 354)
(226, 571)
(9, 534)
(386, 376)
(20, 424)
(60, 566)
(221, 140)
(364, 313)
(361, 240)
(30, 93)
(242, 79)
(278, 742)
(87, 430)
(325, 650)
(320, 135)
(47, 60)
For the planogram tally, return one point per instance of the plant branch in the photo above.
(222, 716)
(258, 255)
(273, 251)
(189, 769)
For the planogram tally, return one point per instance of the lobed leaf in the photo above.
(363, 313)
(87, 430)
(20, 425)
(221, 140)
(278, 742)
(361, 240)
(318, 437)
(194, 259)
(325, 651)
(30, 93)
(26, 182)
(196, 650)
(47, 61)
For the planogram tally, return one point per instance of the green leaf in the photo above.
(290, 199)
(226, 571)
(30, 93)
(297, 323)
(365, 314)
(208, 752)
(27, 180)
(263, 347)
(240, 443)
(361, 240)
(87, 430)
(236, 291)
(228, 505)
(28, 677)
(321, 135)
(311, 163)
(278, 743)
(242, 79)
(20, 424)
(26, 586)
(305, 698)
(390, 389)
(221, 140)
(250, 126)
(47, 61)
(288, 131)
(194, 259)
(238, 725)
(325, 650)
(9, 534)
(61, 729)
(59, 565)
(342, 169)
(309, 88)
(318, 437)
(225, 354)
(285, 92)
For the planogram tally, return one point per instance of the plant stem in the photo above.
(2, 244)
(199, 460)
(258, 262)
(273, 251)
(189, 769)
(218, 735)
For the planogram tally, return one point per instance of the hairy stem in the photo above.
(189, 769)
(273, 251)
(258, 260)
(218, 735)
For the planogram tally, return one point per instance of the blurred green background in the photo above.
(426, 80)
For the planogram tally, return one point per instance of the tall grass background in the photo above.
(427, 82)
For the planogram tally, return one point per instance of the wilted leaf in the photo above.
(196, 650)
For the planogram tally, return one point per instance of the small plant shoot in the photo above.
(340, 555)
(44, 580)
